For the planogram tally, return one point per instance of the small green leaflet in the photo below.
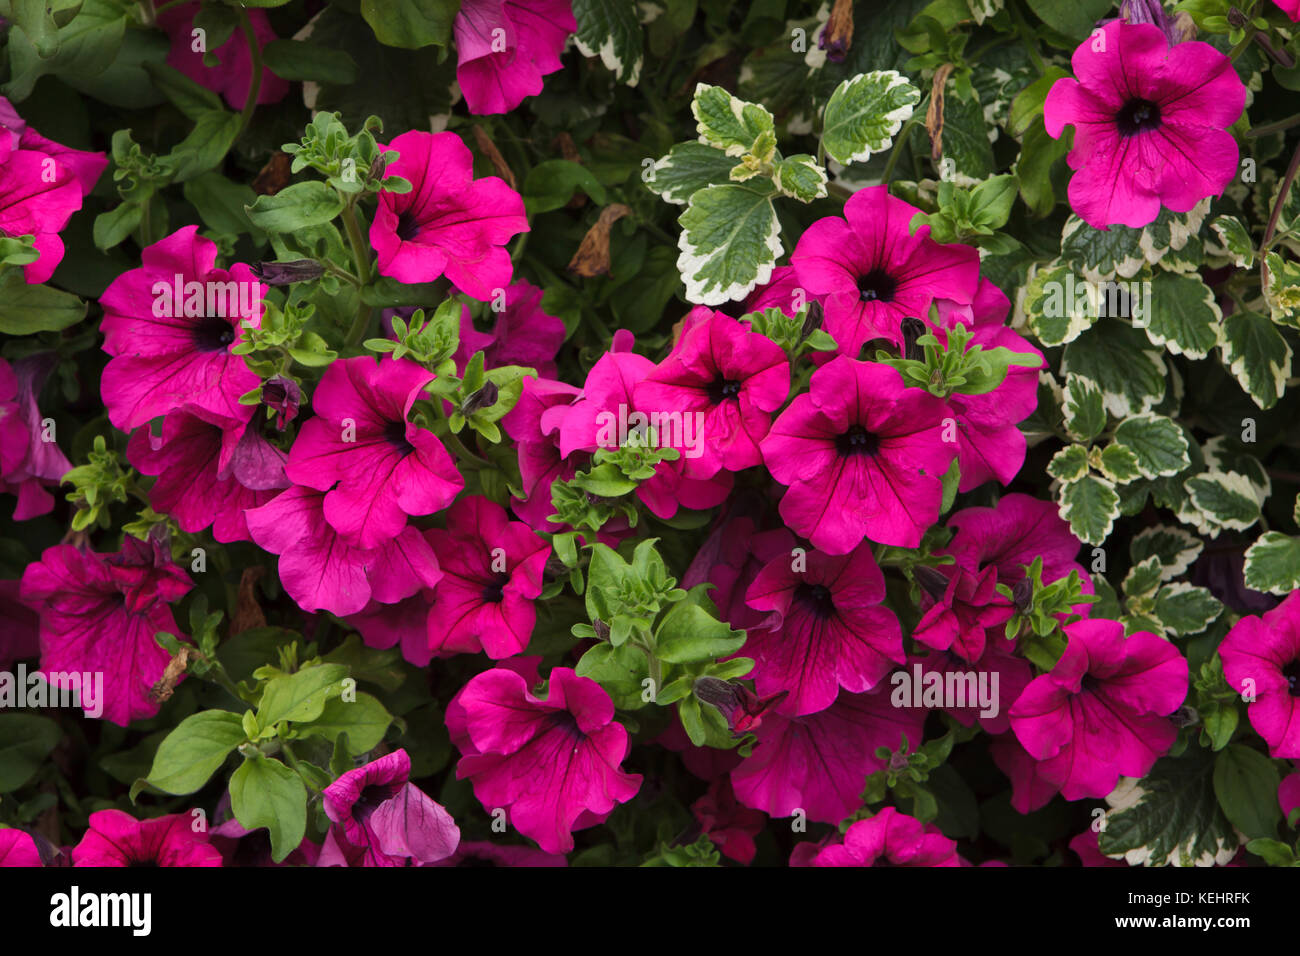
(1091, 506)
(611, 30)
(728, 123)
(865, 113)
(1158, 442)
(1117, 462)
(1184, 609)
(799, 177)
(1069, 464)
(1257, 355)
(729, 243)
(1227, 499)
(1085, 415)
(1273, 563)
(1174, 547)
(688, 168)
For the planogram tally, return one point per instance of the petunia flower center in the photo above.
(877, 286)
(1138, 115)
(816, 598)
(408, 227)
(395, 435)
(722, 389)
(369, 800)
(1292, 674)
(494, 592)
(857, 441)
(213, 334)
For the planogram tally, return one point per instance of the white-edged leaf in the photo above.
(1158, 442)
(1226, 499)
(1119, 358)
(1182, 315)
(865, 113)
(688, 168)
(729, 243)
(1273, 563)
(1175, 548)
(611, 30)
(1091, 506)
(727, 122)
(1257, 355)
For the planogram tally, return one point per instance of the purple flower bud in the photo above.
(284, 396)
(287, 273)
(484, 397)
(1022, 595)
(913, 329)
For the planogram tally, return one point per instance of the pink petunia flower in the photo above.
(385, 466)
(958, 608)
(241, 847)
(731, 826)
(889, 838)
(863, 455)
(1011, 534)
(1032, 786)
(99, 613)
(538, 446)
(1102, 711)
(17, 848)
(730, 559)
(30, 459)
(731, 378)
(322, 571)
(1288, 795)
(832, 633)
(119, 839)
(194, 461)
(449, 223)
(872, 272)
(492, 572)
(232, 77)
(505, 47)
(839, 741)
(552, 764)
(382, 818)
(86, 165)
(1150, 124)
(168, 348)
(522, 334)
(1266, 653)
(1290, 7)
(20, 638)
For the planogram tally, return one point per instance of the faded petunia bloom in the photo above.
(1150, 124)
(889, 838)
(1261, 660)
(100, 612)
(505, 47)
(232, 77)
(491, 574)
(381, 819)
(375, 466)
(863, 455)
(1102, 711)
(553, 763)
(449, 223)
(832, 631)
(119, 839)
(871, 271)
(170, 326)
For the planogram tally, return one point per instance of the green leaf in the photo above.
(620, 670)
(551, 184)
(611, 30)
(1069, 464)
(410, 24)
(991, 202)
(1175, 548)
(966, 139)
(1245, 781)
(1074, 18)
(1143, 578)
(297, 60)
(300, 697)
(1183, 315)
(729, 243)
(1235, 239)
(687, 168)
(1091, 506)
(1176, 818)
(1227, 499)
(865, 113)
(112, 227)
(26, 742)
(1185, 609)
(799, 177)
(1121, 361)
(206, 144)
(191, 753)
(187, 96)
(1118, 463)
(1039, 154)
(1272, 852)
(87, 45)
(726, 122)
(1257, 355)
(1158, 442)
(364, 721)
(1056, 314)
(1273, 563)
(25, 309)
(1085, 415)
(689, 633)
(266, 793)
(1028, 104)
(310, 203)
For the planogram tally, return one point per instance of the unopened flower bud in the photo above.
(287, 273)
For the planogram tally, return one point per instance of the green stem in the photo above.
(361, 259)
(1282, 193)
(255, 54)
(1240, 48)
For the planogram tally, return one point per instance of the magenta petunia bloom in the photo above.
(99, 613)
(321, 571)
(1088, 851)
(958, 607)
(193, 459)
(782, 292)
(1149, 122)
(449, 223)
(730, 559)
(505, 47)
(241, 847)
(832, 633)
(863, 455)
(1013, 675)
(20, 638)
(538, 447)
(889, 838)
(119, 839)
(30, 459)
(1011, 534)
(491, 574)
(840, 742)
(730, 825)
(385, 466)
(871, 271)
(1101, 712)
(989, 445)
(522, 334)
(17, 848)
(1266, 653)
(86, 165)
(170, 326)
(391, 822)
(552, 764)
(1031, 785)
(38, 195)
(1290, 7)
(731, 378)
(232, 77)
(1288, 795)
